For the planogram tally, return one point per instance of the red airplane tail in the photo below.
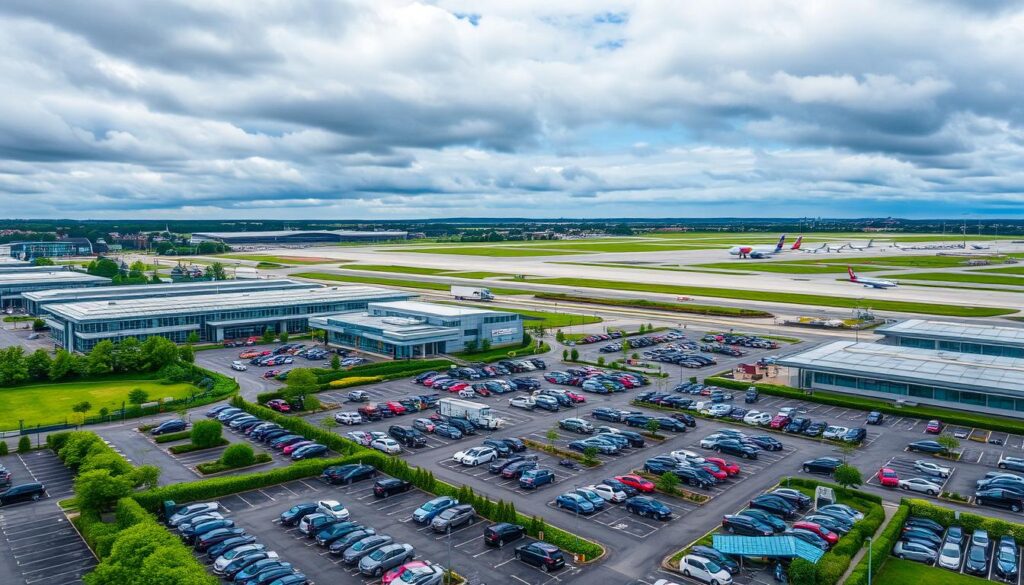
(796, 244)
(853, 277)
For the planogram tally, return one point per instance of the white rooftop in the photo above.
(435, 309)
(16, 278)
(209, 287)
(968, 371)
(945, 330)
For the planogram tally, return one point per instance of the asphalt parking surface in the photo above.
(40, 546)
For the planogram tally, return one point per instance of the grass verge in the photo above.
(902, 572)
(211, 467)
(300, 260)
(964, 277)
(545, 319)
(397, 282)
(657, 305)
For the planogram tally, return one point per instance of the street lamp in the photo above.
(869, 560)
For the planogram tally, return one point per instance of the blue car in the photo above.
(574, 503)
(427, 511)
(648, 508)
(314, 450)
(534, 478)
(449, 431)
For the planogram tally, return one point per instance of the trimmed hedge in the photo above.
(563, 453)
(390, 369)
(354, 381)
(948, 416)
(265, 397)
(190, 447)
(995, 527)
(172, 437)
(211, 467)
(880, 547)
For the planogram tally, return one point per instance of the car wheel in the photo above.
(1015, 508)
(518, 556)
(731, 530)
(643, 513)
(900, 556)
(686, 572)
(714, 582)
(931, 492)
(35, 497)
(807, 469)
(1002, 466)
(980, 502)
(904, 487)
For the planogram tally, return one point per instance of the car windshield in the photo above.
(951, 550)
(429, 507)
(377, 554)
(712, 567)
(977, 554)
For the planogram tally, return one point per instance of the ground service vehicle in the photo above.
(471, 293)
(476, 413)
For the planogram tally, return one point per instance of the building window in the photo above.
(972, 398)
(921, 391)
(1000, 402)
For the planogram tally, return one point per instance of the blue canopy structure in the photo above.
(766, 546)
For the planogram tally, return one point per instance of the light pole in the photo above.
(869, 560)
(575, 487)
(450, 553)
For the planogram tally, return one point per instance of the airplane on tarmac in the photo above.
(826, 247)
(864, 247)
(980, 246)
(870, 282)
(758, 252)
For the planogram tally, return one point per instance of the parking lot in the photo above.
(257, 511)
(40, 545)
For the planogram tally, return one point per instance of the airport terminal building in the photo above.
(214, 317)
(412, 329)
(14, 285)
(292, 237)
(963, 337)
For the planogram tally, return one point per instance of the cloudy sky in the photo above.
(529, 108)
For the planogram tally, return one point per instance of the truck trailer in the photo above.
(476, 413)
(471, 293)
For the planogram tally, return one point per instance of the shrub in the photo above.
(24, 444)
(3, 448)
(880, 547)
(190, 447)
(169, 437)
(354, 381)
(238, 455)
(206, 433)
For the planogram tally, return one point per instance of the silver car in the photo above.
(453, 517)
(385, 558)
(365, 546)
(1014, 463)
(932, 468)
(914, 551)
(950, 556)
(920, 484)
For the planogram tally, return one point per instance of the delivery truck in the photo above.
(478, 414)
(471, 293)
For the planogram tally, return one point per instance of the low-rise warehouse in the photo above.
(978, 338)
(14, 284)
(213, 317)
(963, 381)
(412, 329)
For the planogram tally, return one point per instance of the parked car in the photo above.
(928, 447)
(575, 502)
(636, 482)
(475, 456)
(888, 477)
(386, 445)
(704, 570)
(426, 513)
(390, 486)
(920, 484)
(774, 505)
(645, 507)
(547, 557)
(453, 517)
(355, 551)
(875, 418)
(777, 524)
(976, 561)
(1000, 498)
(501, 533)
(914, 551)
(1007, 561)
(576, 425)
(933, 469)
(829, 536)
(745, 525)
(1008, 462)
(950, 556)
(534, 478)
(823, 465)
(348, 474)
(416, 572)
(385, 558)
(736, 448)
(169, 426)
(795, 497)
(933, 427)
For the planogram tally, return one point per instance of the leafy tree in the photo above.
(847, 476)
(301, 381)
(42, 262)
(103, 267)
(104, 412)
(335, 362)
(13, 366)
(667, 482)
(574, 355)
(283, 336)
(600, 360)
(559, 336)
(79, 364)
(154, 278)
(108, 460)
(268, 335)
(206, 433)
(311, 403)
(38, 325)
(950, 442)
(97, 490)
(590, 454)
(158, 352)
(485, 344)
(565, 355)
(471, 345)
(552, 436)
(217, 269)
(186, 354)
(83, 406)
(24, 444)
(101, 358)
(38, 365)
(128, 355)
(137, 268)
(652, 426)
(4, 450)
(193, 337)
(238, 455)
(138, 396)
(146, 476)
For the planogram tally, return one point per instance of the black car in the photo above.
(918, 522)
(856, 435)
(607, 414)
(774, 505)
(233, 542)
(976, 562)
(875, 418)
(204, 542)
(346, 474)
(525, 384)
(716, 555)
(999, 498)
(390, 486)
(815, 429)
(746, 525)
(169, 426)
(1006, 558)
(407, 436)
(797, 498)
(670, 424)
(765, 442)
(823, 465)
(464, 426)
(685, 418)
(540, 554)
(291, 516)
(22, 493)
(751, 396)
(638, 420)
(630, 491)
(502, 532)
(693, 476)
(498, 445)
(798, 425)
(515, 444)
(928, 447)
(736, 448)
(777, 524)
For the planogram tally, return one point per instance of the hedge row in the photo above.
(563, 453)
(354, 381)
(971, 522)
(211, 467)
(397, 368)
(880, 548)
(968, 419)
(189, 447)
(172, 437)
(300, 426)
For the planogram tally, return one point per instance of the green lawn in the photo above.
(866, 263)
(479, 274)
(398, 282)
(900, 572)
(653, 267)
(789, 267)
(964, 277)
(300, 260)
(1004, 270)
(398, 269)
(783, 297)
(545, 319)
(492, 251)
(51, 403)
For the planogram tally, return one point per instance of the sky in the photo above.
(317, 109)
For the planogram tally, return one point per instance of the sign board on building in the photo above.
(507, 331)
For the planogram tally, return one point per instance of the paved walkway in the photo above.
(890, 510)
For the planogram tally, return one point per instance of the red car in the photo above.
(714, 470)
(395, 407)
(730, 468)
(578, 398)
(934, 427)
(636, 482)
(780, 421)
(481, 390)
(830, 537)
(888, 478)
(408, 572)
(271, 373)
(279, 405)
(458, 386)
(288, 450)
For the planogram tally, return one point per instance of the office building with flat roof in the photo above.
(15, 284)
(25, 268)
(36, 302)
(54, 249)
(413, 329)
(962, 381)
(213, 317)
(980, 338)
(286, 237)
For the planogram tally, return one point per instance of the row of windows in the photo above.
(914, 390)
(963, 347)
(501, 318)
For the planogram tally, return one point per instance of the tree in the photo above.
(847, 476)
(83, 406)
(335, 362)
(301, 381)
(600, 360)
(574, 355)
(559, 336)
(193, 337)
(652, 426)
(128, 355)
(138, 396)
(186, 354)
(13, 366)
(238, 455)
(268, 335)
(60, 368)
(311, 403)
(24, 444)
(589, 454)
(97, 490)
(4, 450)
(206, 433)
(217, 269)
(667, 482)
(283, 337)
(103, 267)
(158, 352)
(42, 262)
(471, 346)
(146, 476)
(101, 358)
(950, 442)
(485, 344)
(565, 355)
(38, 325)
(552, 436)
(38, 364)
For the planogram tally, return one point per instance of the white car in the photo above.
(710, 441)
(950, 556)
(348, 418)
(607, 493)
(332, 508)
(787, 411)
(757, 418)
(932, 468)
(360, 437)
(239, 366)
(920, 484)
(467, 393)
(379, 435)
(522, 402)
(476, 456)
(665, 582)
(223, 560)
(704, 570)
(718, 409)
(832, 432)
(387, 445)
(684, 456)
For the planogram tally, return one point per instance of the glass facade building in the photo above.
(54, 249)
(13, 285)
(960, 337)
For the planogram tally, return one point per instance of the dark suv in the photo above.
(407, 436)
(502, 532)
(22, 493)
(390, 486)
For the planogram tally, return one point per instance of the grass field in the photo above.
(899, 572)
(1004, 270)
(398, 269)
(789, 267)
(492, 251)
(51, 403)
(397, 282)
(964, 277)
(299, 260)
(781, 297)
(652, 267)
(838, 264)
(479, 274)
(545, 319)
